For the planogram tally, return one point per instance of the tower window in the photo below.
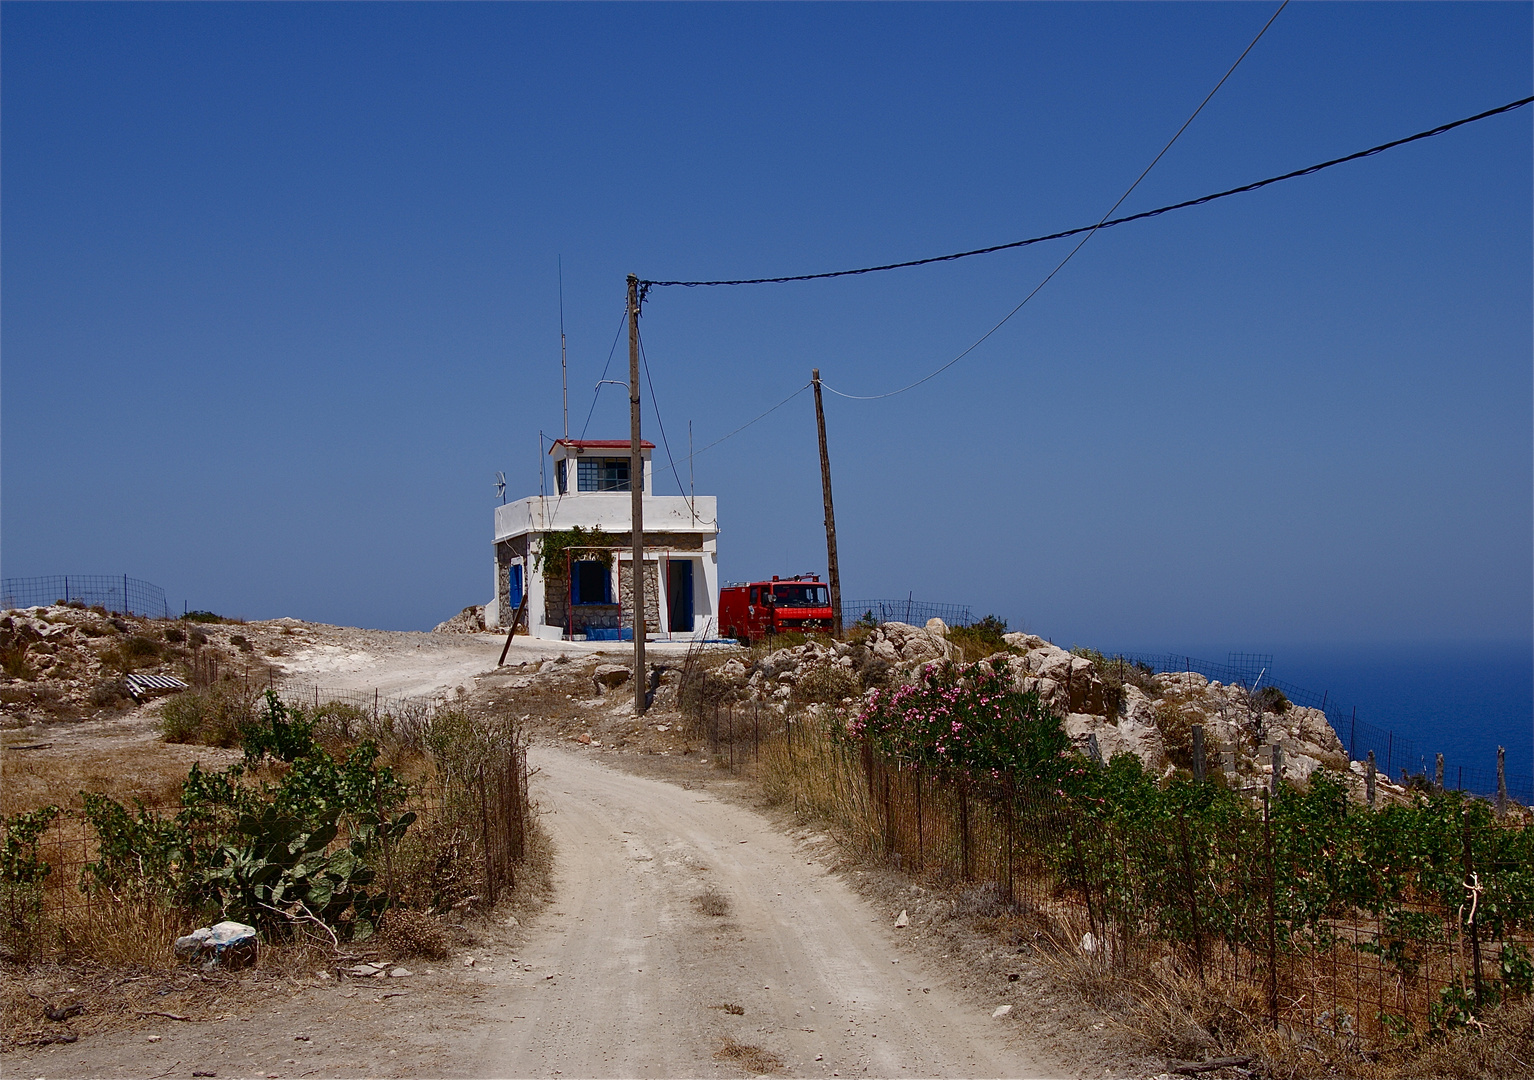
(602, 474)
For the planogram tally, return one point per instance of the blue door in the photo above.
(514, 587)
(679, 594)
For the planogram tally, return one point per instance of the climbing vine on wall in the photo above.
(589, 545)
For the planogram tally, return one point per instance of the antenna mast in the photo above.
(564, 369)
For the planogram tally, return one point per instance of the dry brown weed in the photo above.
(751, 1058)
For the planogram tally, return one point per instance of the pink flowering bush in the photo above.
(963, 717)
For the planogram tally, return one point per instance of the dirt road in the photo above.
(626, 975)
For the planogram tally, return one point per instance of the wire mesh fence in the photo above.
(120, 593)
(1395, 755)
(1349, 927)
(915, 612)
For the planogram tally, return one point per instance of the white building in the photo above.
(585, 598)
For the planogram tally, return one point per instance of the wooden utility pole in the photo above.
(636, 487)
(833, 571)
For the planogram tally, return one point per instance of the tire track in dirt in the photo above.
(625, 975)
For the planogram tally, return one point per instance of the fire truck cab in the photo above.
(753, 610)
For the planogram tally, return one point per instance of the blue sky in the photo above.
(279, 297)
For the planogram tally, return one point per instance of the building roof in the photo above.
(600, 444)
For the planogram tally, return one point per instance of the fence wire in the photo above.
(123, 594)
(915, 612)
(1239, 902)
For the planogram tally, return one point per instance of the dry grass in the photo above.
(407, 933)
(711, 902)
(814, 777)
(126, 769)
(753, 1059)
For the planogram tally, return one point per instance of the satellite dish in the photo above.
(500, 487)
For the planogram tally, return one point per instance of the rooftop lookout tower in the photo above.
(588, 597)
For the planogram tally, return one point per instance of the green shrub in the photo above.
(202, 617)
(255, 852)
(212, 717)
(1271, 699)
(108, 692)
(980, 639)
(340, 721)
(283, 733)
(13, 660)
(22, 872)
(964, 717)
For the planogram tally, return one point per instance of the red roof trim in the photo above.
(600, 444)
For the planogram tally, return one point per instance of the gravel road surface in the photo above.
(626, 975)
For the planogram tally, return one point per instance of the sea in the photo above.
(1460, 700)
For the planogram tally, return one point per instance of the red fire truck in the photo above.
(752, 610)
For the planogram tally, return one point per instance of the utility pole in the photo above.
(833, 571)
(636, 487)
(564, 366)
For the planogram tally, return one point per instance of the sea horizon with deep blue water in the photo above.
(1460, 700)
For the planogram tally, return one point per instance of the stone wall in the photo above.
(651, 596)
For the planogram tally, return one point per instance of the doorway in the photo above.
(679, 595)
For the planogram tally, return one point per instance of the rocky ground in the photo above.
(450, 1017)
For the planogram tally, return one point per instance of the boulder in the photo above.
(471, 620)
(227, 944)
(1182, 682)
(1312, 731)
(1074, 685)
(914, 645)
(608, 676)
(1144, 741)
(1025, 642)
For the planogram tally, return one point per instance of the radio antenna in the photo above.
(564, 369)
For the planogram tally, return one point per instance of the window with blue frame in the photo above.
(602, 474)
(590, 583)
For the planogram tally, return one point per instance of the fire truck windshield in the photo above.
(801, 595)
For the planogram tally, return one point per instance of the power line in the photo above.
(748, 423)
(598, 391)
(1432, 132)
(1089, 233)
(665, 442)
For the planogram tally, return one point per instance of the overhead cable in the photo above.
(748, 423)
(598, 391)
(1441, 129)
(1089, 233)
(692, 505)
